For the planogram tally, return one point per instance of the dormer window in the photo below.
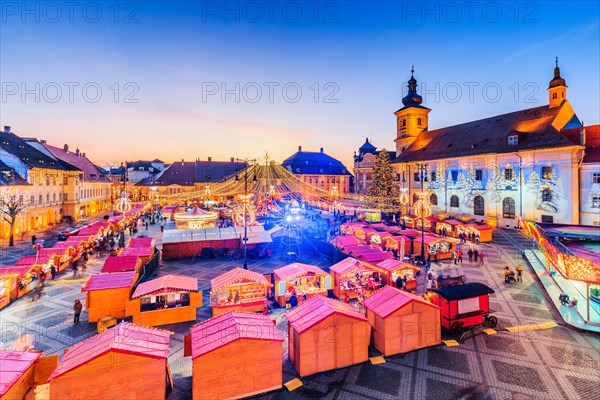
(513, 140)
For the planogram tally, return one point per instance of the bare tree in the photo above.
(12, 204)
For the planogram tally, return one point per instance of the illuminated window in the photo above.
(547, 173)
(453, 201)
(509, 174)
(508, 208)
(513, 140)
(596, 177)
(433, 199)
(546, 195)
(596, 202)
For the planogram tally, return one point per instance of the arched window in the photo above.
(478, 205)
(508, 208)
(546, 195)
(453, 201)
(419, 121)
(554, 95)
(509, 173)
(415, 198)
(433, 199)
(403, 122)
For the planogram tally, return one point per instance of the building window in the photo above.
(65, 180)
(40, 200)
(546, 195)
(554, 95)
(47, 198)
(417, 178)
(513, 140)
(478, 205)
(433, 176)
(47, 181)
(548, 219)
(419, 121)
(596, 177)
(508, 208)
(454, 175)
(433, 199)
(403, 122)
(509, 174)
(547, 173)
(478, 174)
(453, 201)
(596, 202)
(32, 203)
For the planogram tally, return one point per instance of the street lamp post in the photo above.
(520, 187)
(245, 204)
(422, 173)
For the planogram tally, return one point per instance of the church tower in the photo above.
(411, 119)
(557, 90)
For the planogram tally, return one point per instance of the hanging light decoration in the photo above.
(422, 207)
(244, 210)
(123, 204)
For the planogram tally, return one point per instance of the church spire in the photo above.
(412, 98)
(557, 80)
(557, 89)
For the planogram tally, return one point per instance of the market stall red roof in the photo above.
(13, 365)
(51, 251)
(120, 264)
(137, 251)
(431, 218)
(479, 227)
(347, 264)
(378, 225)
(297, 269)
(219, 331)
(237, 275)
(375, 257)
(429, 238)
(15, 269)
(389, 299)
(359, 250)
(109, 281)
(62, 245)
(168, 209)
(393, 264)
(78, 239)
(30, 260)
(90, 230)
(345, 241)
(124, 338)
(166, 283)
(452, 222)
(140, 242)
(318, 308)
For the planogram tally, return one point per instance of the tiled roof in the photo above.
(533, 126)
(186, 173)
(123, 338)
(8, 176)
(215, 171)
(92, 173)
(592, 144)
(227, 328)
(314, 163)
(29, 155)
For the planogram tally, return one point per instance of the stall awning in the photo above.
(62, 245)
(15, 269)
(219, 331)
(237, 275)
(29, 260)
(393, 265)
(124, 338)
(177, 283)
(295, 270)
(120, 264)
(389, 299)
(13, 365)
(478, 227)
(431, 218)
(359, 250)
(115, 280)
(452, 222)
(316, 310)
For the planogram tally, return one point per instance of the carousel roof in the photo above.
(316, 310)
(14, 365)
(230, 327)
(166, 283)
(194, 214)
(237, 275)
(124, 338)
(389, 299)
(297, 269)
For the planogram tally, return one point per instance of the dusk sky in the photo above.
(170, 62)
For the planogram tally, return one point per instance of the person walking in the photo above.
(162, 227)
(459, 256)
(146, 225)
(33, 239)
(470, 253)
(454, 258)
(75, 270)
(53, 271)
(519, 273)
(481, 259)
(475, 255)
(77, 308)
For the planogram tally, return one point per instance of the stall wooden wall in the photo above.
(113, 376)
(412, 327)
(21, 386)
(239, 369)
(251, 307)
(101, 303)
(164, 316)
(337, 341)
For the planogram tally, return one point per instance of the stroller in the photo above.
(510, 277)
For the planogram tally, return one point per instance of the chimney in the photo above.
(82, 154)
(321, 149)
(66, 147)
(232, 159)
(77, 152)
(43, 141)
(209, 159)
(582, 135)
(299, 148)
(6, 129)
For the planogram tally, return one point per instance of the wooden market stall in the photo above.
(21, 371)
(375, 257)
(71, 250)
(355, 278)
(235, 355)
(348, 228)
(325, 334)
(402, 321)
(395, 269)
(168, 299)
(238, 290)
(5, 288)
(438, 247)
(59, 257)
(143, 253)
(449, 226)
(463, 306)
(362, 234)
(341, 242)
(430, 222)
(399, 244)
(122, 264)
(107, 294)
(481, 233)
(125, 362)
(19, 278)
(300, 279)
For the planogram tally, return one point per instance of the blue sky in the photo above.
(350, 60)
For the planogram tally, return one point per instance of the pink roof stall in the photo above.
(132, 360)
(18, 372)
(402, 321)
(301, 279)
(34, 260)
(141, 242)
(238, 290)
(354, 278)
(166, 284)
(108, 294)
(326, 334)
(224, 346)
(375, 257)
(344, 241)
(122, 264)
(396, 268)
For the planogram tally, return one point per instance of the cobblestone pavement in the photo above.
(558, 363)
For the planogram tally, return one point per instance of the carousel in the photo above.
(196, 218)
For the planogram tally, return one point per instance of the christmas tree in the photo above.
(383, 191)
(533, 183)
(493, 186)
